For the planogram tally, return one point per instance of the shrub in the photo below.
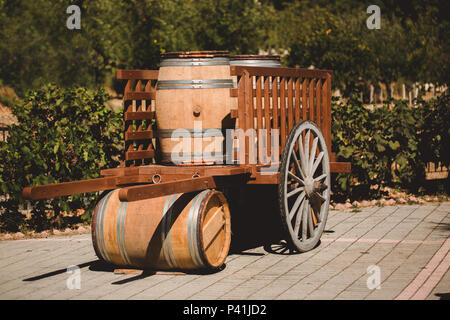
(62, 135)
(389, 145)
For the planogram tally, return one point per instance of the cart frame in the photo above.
(306, 96)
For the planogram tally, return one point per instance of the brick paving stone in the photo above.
(408, 237)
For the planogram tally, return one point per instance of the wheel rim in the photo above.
(305, 186)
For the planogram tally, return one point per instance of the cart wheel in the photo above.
(304, 189)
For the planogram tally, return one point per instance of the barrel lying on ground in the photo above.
(181, 231)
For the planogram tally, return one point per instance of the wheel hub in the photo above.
(309, 186)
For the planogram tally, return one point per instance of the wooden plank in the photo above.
(290, 106)
(190, 170)
(283, 111)
(139, 135)
(340, 167)
(297, 100)
(139, 96)
(326, 130)
(121, 171)
(140, 154)
(213, 227)
(275, 102)
(139, 115)
(248, 115)
(54, 190)
(304, 100)
(311, 100)
(136, 193)
(267, 112)
(259, 116)
(137, 74)
(319, 108)
(328, 112)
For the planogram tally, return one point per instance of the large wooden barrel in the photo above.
(249, 60)
(193, 106)
(180, 231)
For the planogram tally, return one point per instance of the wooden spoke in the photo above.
(302, 151)
(312, 155)
(321, 177)
(296, 204)
(297, 165)
(295, 191)
(305, 215)
(306, 150)
(316, 163)
(314, 218)
(299, 218)
(311, 225)
(296, 178)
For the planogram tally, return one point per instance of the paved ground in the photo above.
(406, 246)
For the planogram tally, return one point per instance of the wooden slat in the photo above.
(267, 114)
(137, 74)
(141, 154)
(290, 106)
(213, 227)
(248, 116)
(297, 100)
(140, 115)
(319, 110)
(304, 101)
(275, 102)
(283, 111)
(340, 167)
(259, 115)
(328, 112)
(139, 95)
(139, 135)
(312, 111)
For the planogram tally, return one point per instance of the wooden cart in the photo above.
(174, 216)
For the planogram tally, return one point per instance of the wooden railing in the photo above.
(139, 115)
(278, 98)
(3, 133)
(435, 171)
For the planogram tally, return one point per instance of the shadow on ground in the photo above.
(255, 218)
(443, 296)
(255, 222)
